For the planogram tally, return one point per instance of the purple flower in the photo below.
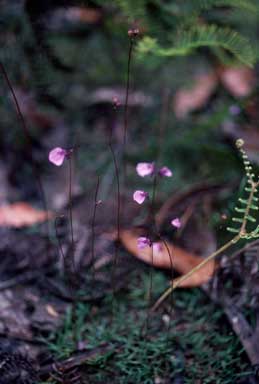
(134, 32)
(143, 242)
(165, 171)
(157, 247)
(234, 110)
(115, 101)
(140, 196)
(145, 169)
(176, 223)
(57, 156)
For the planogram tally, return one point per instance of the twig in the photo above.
(21, 279)
(76, 361)
(243, 330)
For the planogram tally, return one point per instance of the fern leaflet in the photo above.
(202, 36)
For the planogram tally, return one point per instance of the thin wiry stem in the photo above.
(126, 119)
(177, 282)
(152, 218)
(60, 248)
(117, 174)
(93, 224)
(18, 109)
(72, 256)
(57, 237)
(172, 279)
(152, 223)
(29, 140)
(118, 213)
(71, 214)
(127, 93)
(150, 289)
(171, 263)
(70, 273)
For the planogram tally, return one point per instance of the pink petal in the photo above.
(57, 156)
(176, 223)
(145, 169)
(157, 247)
(140, 196)
(143, 242)
(116, 102)
(165, 171)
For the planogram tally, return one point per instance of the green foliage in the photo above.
(211, 356)
(247, 206)
(133, 9)
(202, 36)
(191, 26)
(248, 5)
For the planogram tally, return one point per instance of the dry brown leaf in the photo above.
(21, 214)
(82, 14)
(188, 100)
(238, 81)
(182, 260)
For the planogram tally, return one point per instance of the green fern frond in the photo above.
(133, 9)
(249, 203)
(233, 230)
(248, 5)
(197, 6)
(202, 36)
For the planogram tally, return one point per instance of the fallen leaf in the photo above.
(238, 81)
(188, 100)
(21, 214)
(83, 14)
(181, 260)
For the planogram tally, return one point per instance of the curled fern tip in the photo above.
(240, 143)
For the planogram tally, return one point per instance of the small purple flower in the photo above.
(57, 156)
(134, 32)
(157, 247)
(165, 172)
(234, 110)
(145, 169)
(140, 196)
(176, 223)
(116, 102)
(143, 242)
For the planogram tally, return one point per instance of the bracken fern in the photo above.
(247, 206)
(202, 36)
(248, 228)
